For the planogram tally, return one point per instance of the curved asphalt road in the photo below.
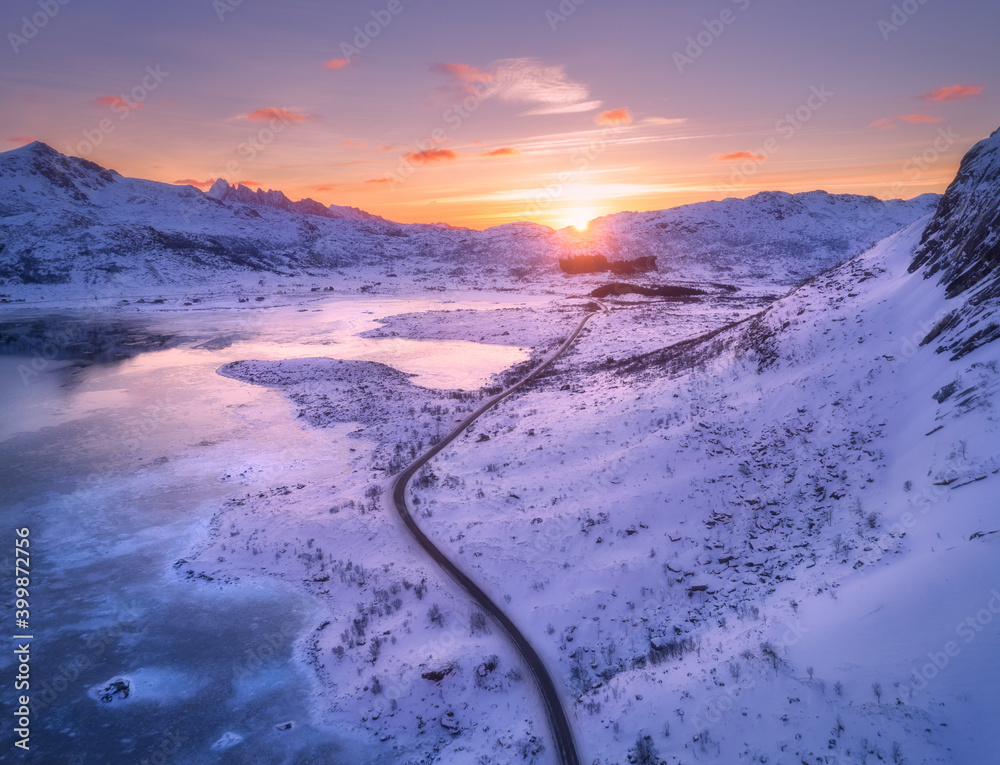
(561, 731)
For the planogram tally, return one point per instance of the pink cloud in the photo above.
(953, 93)
(427, 156)
(736, 156)
(337, 63)
(614, 117)
(503, 151)
(21, 139)
(889, 123)
(115, 101)
(465, 80)
(916, 119)
(273, 113)
(379, 180)
(465, 74)
(193, 182)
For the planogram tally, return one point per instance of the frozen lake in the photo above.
(117, 462)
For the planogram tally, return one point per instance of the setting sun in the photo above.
(578, 219)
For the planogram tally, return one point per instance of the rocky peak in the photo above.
(961, 246)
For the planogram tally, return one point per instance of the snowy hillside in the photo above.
(739, 539)
(773, 235)
(67, 221)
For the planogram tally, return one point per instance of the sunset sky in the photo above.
(479, 113)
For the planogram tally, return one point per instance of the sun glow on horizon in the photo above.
(579, 219)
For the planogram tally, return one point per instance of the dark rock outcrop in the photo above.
(961, 246)
(596, 264)
(665, 290)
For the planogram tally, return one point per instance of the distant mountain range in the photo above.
(65, 220)
(224, 192)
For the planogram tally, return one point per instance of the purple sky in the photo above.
(481, 113)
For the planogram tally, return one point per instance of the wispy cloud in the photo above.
(584, 139)
(463, 80)
(337, 63)
(583, 192)
(889, 123)
(953, 93)
(429, 156)
(274, 113)
(663, 121)
(917, 119)
(547, 89)
(614, 117)
(117, 102)
(503, 151)
(738, 156)
(464, 73)
(207, 184)
(194, 182)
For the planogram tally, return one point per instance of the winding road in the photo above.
(562, 733)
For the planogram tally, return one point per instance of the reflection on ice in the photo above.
(117, 469)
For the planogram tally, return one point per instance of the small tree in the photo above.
(478, 623)
(435, 615)
(644, 752)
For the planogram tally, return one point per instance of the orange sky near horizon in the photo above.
(477, 118)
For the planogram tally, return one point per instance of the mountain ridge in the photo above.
(66, 220)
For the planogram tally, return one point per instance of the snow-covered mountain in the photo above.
(240, 194)
(961, 246)
(777, 542)
(783, 236)
(66, 220)
(736, 538)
